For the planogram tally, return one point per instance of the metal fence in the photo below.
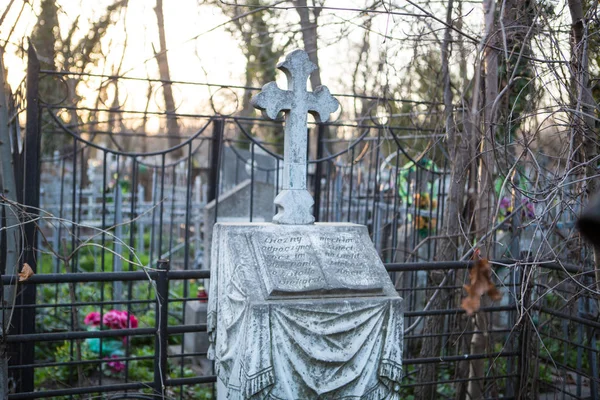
(82, 376)
(99, 220)
(75, 372)
(507, 358)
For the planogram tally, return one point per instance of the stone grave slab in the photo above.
(234, 204)
(237, 164)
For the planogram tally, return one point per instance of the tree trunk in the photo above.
(460, 150)
(583, 121)
(309, 37)
(447, 246)
(9, 191)
(484, 211)
(485, 194)
(363, 59)
(165, 75)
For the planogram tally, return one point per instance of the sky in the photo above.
(213, 54)
(200, 49)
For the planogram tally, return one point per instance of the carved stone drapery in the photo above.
(326, 347)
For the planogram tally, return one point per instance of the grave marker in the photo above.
(294, 201)
(300, 310)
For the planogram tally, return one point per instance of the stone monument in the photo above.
(299, 310)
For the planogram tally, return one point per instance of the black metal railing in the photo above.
(568, 341)
(162, 330)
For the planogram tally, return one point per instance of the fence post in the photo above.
(525, 361)
(162, 322)
(213, 176)
(139, 207)
(318, 173)
(118, 249)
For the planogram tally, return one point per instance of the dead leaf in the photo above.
(26, 273)
(422, 200)
(481, 283)
(421, 223)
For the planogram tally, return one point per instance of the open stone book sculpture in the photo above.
(299, 310)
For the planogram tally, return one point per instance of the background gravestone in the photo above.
(234, 205)
(238, 164)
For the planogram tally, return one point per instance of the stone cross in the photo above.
(294, 201)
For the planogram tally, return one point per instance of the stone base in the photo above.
(195, 314)
(201, 366)
(303, 312)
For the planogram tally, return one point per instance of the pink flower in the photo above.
(202, 295)
(116, 319)
(133, 321)
(529, 209)
(92, 318)
(112, 319)
(505, 203)
(115, 366)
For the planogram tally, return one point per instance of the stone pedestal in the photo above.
(197, 342)
(302, 312)
(195, 313)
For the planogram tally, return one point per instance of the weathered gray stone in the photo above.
(234, 205)
(236, 167)
(302, 312)
(294, 201)
(196, 342)
(195, 313)
(296, 310)
(324, 262)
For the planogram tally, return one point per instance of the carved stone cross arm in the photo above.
(294, 201)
